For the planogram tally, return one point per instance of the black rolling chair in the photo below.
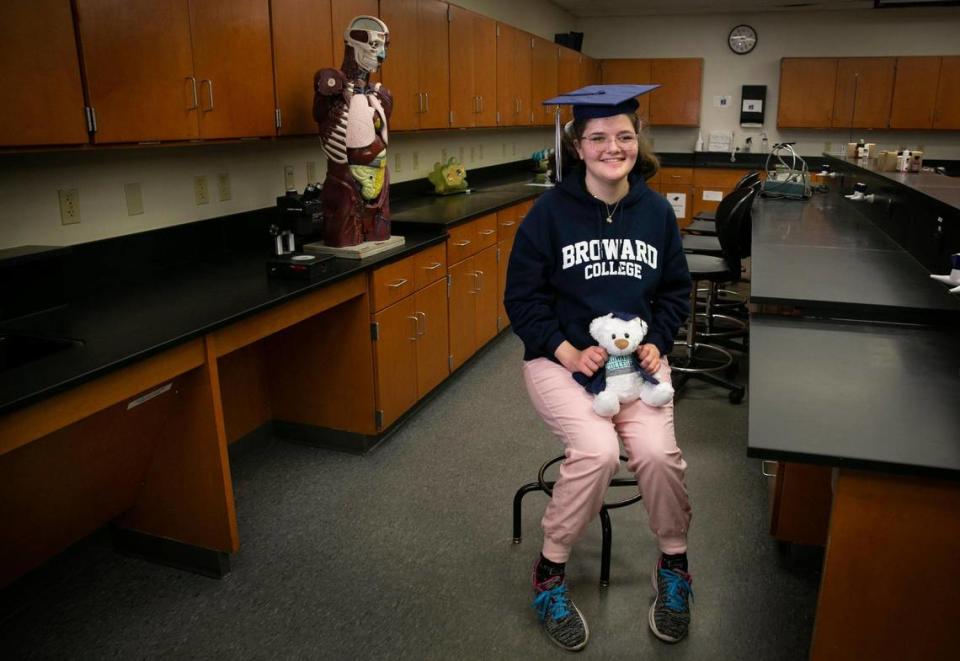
(703, 223)
(705, 360)
(546, 486)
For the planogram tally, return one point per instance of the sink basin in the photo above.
(17, 350)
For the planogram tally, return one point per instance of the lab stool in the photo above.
(546, 486)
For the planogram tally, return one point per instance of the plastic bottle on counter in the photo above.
(862, 151)
(699, 145)
(764, 145)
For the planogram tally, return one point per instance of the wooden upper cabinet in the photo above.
(629, 72)
(864, 92)
(590, 73)
(302, 44)
(914, 92)
(677, 102)
(233, 63)
(176, 70)
(417, 68)
(807, 86)
(473, 69)
(41, 99)
(139, 69)
(568, 77)
(514, 57)
(544, 62)
(947, 112)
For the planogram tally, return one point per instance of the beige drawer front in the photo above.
(429, 265)
(470, 238)
(390, 283)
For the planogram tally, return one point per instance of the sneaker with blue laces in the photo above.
(670, 612)
(562, 620)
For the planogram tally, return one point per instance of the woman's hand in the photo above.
(649, 358)
(587, 361)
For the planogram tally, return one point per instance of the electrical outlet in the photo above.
(396, 162)
(288, 178)
(416, 160)
(69, 206)
(201, 191)
(134, 197)
(827, 146)
(311, 172)
(223, 187)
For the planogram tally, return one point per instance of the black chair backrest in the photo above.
(733, 227)
(749, 180)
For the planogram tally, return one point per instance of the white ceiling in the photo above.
(589, 8)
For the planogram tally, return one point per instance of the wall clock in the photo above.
(742, 39)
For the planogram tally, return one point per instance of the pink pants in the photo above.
(592, 459)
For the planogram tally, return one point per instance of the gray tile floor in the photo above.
(406, 553)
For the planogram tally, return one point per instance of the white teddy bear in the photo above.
(624, 380)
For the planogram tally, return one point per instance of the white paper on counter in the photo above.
(712, 195)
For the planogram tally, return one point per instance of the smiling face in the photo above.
(608, 148)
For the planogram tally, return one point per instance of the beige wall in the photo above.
(780, 34)
(537, 16)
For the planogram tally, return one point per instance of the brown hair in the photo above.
(647, 162)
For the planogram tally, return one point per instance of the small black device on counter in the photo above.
(298, 266)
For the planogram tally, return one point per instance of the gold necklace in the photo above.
(607, 206)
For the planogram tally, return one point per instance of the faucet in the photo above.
(733, 154)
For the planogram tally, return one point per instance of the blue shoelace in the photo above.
(553, 601)
(677, 588)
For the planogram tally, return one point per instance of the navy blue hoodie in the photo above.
(568, 265)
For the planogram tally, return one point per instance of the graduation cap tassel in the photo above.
(558, 144)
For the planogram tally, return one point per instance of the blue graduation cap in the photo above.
(594, 101)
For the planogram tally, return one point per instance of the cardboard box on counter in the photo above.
(887, 161)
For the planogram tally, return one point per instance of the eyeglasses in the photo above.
(599, 140)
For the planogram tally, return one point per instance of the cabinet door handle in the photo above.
(399, 283)
(481, 103)
(422, 316)
(461, 244)
(486, 232)
(426, 101)
(765, 471)
(196, 101)
(476, 277)
(416, 327)
(209, 93)
(479, 281)
(419, 102)
(433, 267)
(508, 223)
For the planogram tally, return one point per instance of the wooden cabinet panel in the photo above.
(706, 197)
(429, 265)
(947, 113)
(677, 102)
(719, 177)
(864, 91)
(630, 72)
(417, 68)
(472, 237)
(234, 67)
(302, 44)
(509, 79)
(395, 351)
(485, 265)
(41, 99)
(674, 176)
(807, 87)
(485, 71)
(800, 509)
(473, 68)
(504, 248)
(433, 350)
(462, 311)
(433, 64)
(544, 61)
(137, 60)
(914, 92)
(568, 78)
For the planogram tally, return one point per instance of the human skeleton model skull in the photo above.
(352, 117)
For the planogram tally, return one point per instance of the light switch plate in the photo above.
(223, 187)
(134, 198)
(288, 178)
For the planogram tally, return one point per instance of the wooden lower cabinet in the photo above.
(473, 304)
(800, 500)
(504, 249)
(410, 350)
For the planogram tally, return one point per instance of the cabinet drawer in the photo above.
(717, 177)
(429, 266)
(673, 176)
(390, 283)
(470, 238)
(508, 220)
